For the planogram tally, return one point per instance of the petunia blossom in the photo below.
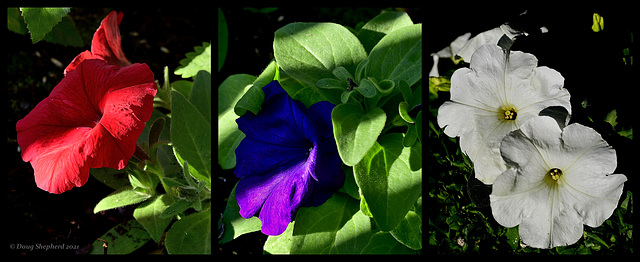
(91, 119)
(287, 160)
(105, 44)
(558, 180)
(496, 95)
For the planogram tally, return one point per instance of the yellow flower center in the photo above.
(509, 113)
(555, 173)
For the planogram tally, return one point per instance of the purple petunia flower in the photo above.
(287, 160)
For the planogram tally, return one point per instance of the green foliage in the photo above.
(323, 47)
(179, 148)
(40, 21)
(50, 24)
(200, 59)
(190, 235)
(169, 177)
(356, 131)
(390, 179)
(121, 239)
(375, 124)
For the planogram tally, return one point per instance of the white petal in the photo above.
(553, 223)
(593, 190)
(552, 213)
(592, 155)
(482, 145)
(456, 118)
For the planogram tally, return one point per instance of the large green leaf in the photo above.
(229, 136)
(310, 52)
(191, 128)
(381, 25)
(254, 96)
(355, 130)
(398, 56)
(122, 239)
(409, 231)
(337, 226)
(122, 197)
(65, 33)
(149, 215)
(390, 179)
(40, 21)
(384, 243)
(190, 235)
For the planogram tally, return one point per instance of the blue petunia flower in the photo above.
(287, 160)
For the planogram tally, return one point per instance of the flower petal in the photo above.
(78, 127)
(281, 121)
(496, 81)
(77, 60)
(551, 213)
(106, 41)
(594, 190)
(283, 203)
(288, 159)
(277, 196)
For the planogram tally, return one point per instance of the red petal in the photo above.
(106, 41)
(76, 61)
(91, 119)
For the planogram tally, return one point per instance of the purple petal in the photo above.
(288, 159)
(283, 203)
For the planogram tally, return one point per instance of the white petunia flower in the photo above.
(558, 180)
(495, 96)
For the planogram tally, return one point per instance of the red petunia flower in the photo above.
(91, 119)
(105, 44)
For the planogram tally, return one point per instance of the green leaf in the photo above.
(403, 110)
(280, 244)
(335, 227)
(164, 152)
(200, 95)
(149, 215)
(191, 134)
(390, 179)
(182, 86)
(122, 197)
(198, 60)
(398, 56)
(311, 51)
(234, 224)
(40, 21)
(190, 235)
(176, 208)
(122, 239)
(513, 238)
(229, 136)
(409, 231)
(356, 131)
(223, 39)
(14, 21)
(65, 33)
(253, 98)
(384, 243)
(611, 118)
(381, 25)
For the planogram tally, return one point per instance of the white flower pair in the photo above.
(547, 177)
